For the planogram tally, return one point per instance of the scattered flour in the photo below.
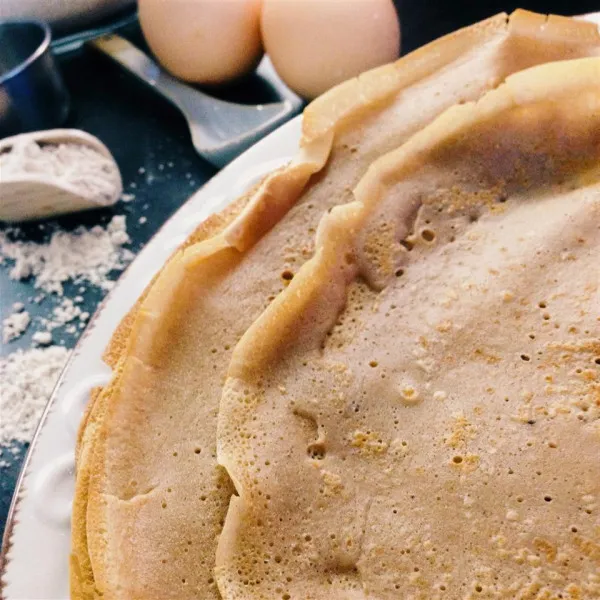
(15, 325)
(28, 378)
(42, 338)
(92, 174)
(82, 255)
(65, 312)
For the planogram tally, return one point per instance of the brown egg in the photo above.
(203, 41)
(316, 44)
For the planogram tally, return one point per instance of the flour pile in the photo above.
(81, 255)
(84, 255)
(28, 378)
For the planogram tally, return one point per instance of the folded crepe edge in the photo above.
(81, 576)
(556, 80)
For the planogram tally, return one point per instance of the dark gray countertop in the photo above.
(144, 132)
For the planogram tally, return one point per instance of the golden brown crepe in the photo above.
(418, 414)
(150, 498)
(82, 576)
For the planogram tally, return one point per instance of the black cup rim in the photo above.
(39, 51)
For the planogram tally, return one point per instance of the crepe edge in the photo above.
(81, 576)
(259, 344)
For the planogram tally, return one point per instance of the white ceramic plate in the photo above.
(35, 553)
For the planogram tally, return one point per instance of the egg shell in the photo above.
(203, 41)
(316, 44)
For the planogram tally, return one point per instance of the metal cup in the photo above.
(32, 93)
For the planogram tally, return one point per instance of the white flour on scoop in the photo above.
(83, 255)
(28, 378)
(89, 172)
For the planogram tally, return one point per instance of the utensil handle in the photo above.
(74, 41)
(138, 63)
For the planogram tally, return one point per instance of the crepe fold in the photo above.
(151, 498)
(418, 414)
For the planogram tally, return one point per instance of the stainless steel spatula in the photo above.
(220, 130)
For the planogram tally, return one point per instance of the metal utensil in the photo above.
(75, 40)
(32, 92)
(220, 130)
(27, 195)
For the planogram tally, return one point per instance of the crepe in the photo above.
(81, 572)
(418, 414)
(150, 498)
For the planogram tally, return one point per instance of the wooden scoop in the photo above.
(27, 195)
